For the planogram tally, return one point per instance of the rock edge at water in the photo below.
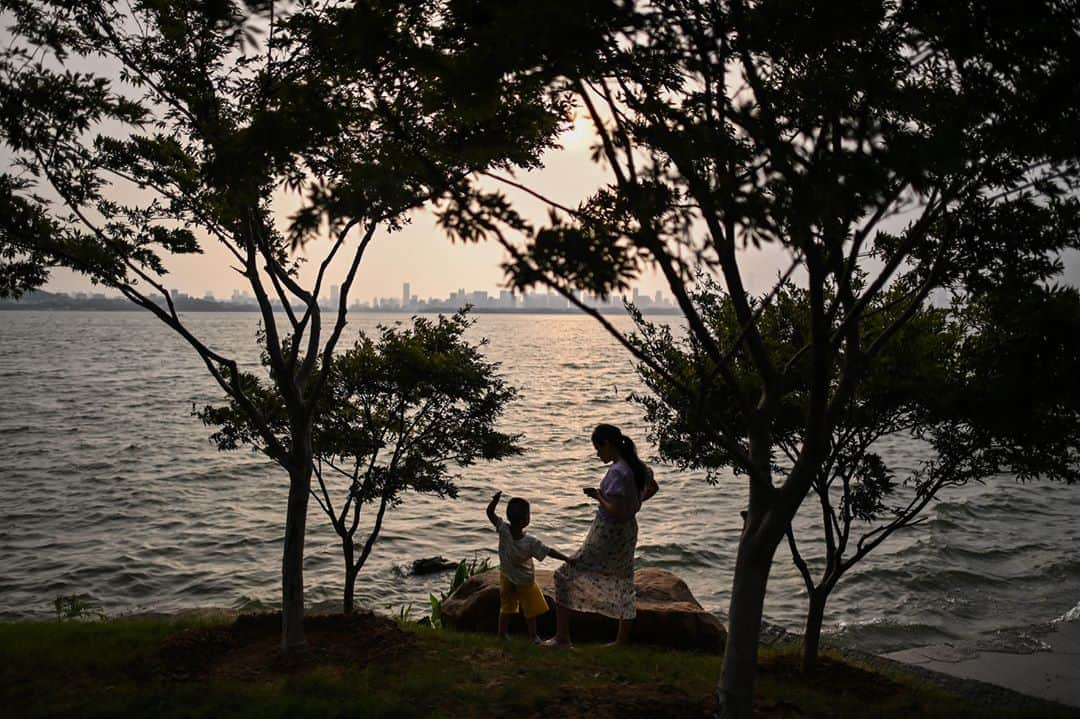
(667, 612)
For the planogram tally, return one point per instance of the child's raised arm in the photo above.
(491, 508)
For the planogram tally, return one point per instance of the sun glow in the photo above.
(580, 132)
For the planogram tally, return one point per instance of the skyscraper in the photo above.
(406, 295)
(335, 295)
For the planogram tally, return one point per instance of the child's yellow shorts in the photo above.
(530, 598)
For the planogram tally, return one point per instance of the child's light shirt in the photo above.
(516, 555)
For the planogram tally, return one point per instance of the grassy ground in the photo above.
(128, 668)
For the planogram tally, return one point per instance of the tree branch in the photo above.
(339, 325)
(800, 563)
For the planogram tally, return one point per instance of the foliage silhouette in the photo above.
(398, 412)
(141, 131)
(891, 153)
(984, 390)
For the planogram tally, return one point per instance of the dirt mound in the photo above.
(626, 700)
(249, 649)
(632, 701)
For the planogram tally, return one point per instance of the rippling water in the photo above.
(110, 488)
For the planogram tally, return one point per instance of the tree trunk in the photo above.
(292, 561)
(736, 691)
(348, 603)
(812, 632)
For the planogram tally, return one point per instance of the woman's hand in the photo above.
(615, 506)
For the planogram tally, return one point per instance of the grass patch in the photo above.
(122, 668)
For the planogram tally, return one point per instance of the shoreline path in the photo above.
(1048, 676)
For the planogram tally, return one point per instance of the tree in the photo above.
(876, 147)
(397, 412)
(953, 379)
(138, 131)
(1010, 403)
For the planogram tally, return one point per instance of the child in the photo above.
(517, 584)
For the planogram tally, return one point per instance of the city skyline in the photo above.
(481, 298)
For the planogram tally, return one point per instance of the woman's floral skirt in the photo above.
(601, 579)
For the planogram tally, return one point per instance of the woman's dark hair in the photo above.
(625, 446)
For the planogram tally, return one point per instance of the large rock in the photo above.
(667, 613)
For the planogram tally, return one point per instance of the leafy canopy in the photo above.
(400, 410)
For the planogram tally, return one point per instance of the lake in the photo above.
(111, 489)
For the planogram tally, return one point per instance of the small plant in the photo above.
(404, 614)
(435, 618)
(73, 608)
(465, 569)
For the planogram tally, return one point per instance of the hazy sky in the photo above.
(421, 254)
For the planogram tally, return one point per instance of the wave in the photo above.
(95, 466)
(916, 576)
(882, 635)
(250, 605)
(680, 555)
(1073, 615)
(1056, 570)
(990, 553)
(956, 509)
(1016, 641)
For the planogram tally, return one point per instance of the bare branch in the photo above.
(207, 222)
(284, 379)
(871, 540)
(286, 303)
(118, 51)
(339, 325)
(800, 563)
(620, 128)
(913, 306)
(328, 507)
(605, 138)
(315, 495)
(935, 204)
(529, 191)
(376, 528)
(665, 262)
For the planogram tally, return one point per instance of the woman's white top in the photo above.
(619, 482)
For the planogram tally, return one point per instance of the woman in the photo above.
(600, 576)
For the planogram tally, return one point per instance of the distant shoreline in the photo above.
(120, 305)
